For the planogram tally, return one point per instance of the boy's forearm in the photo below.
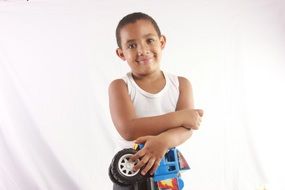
(176, 136)
(152, 125)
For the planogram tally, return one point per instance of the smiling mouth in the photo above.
(144, 61)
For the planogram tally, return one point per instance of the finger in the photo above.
(200, 119)
(141, 163)
(150, 163)
(137, 155)
(198, 122)
(200, 112)
(154, 167)
(141, 140)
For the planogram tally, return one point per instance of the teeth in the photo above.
(144, 61)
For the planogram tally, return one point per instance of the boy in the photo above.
(149, 106)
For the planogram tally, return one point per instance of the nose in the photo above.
(143, 49)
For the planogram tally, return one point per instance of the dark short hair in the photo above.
(132, 18)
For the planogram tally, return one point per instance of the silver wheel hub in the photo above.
(126, 166)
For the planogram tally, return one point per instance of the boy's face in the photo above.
(141, 47)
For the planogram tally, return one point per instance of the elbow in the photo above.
(128, 137)
(126, 133)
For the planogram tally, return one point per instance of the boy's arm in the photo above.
(177, 136)
(131, 127)
(155, 147)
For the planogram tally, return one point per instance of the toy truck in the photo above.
(166, 177)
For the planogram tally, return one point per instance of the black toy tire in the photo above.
(120, 173)
(111, 176)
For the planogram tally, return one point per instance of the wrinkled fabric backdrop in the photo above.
(57, 59)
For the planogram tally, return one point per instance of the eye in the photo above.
(132, 46)
(150, 40)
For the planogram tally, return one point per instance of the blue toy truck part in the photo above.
(170, 166)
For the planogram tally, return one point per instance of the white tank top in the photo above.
(147, 104)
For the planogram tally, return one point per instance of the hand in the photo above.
(150, 155)
(192, 118)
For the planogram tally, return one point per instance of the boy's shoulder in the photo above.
(183, 79)
(117, 83)
(184, 83)
(123, 79)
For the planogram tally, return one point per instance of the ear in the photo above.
(162, 40)
(120, 54)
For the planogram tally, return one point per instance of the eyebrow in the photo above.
(145, 36)
(149, 35)
(130, 41)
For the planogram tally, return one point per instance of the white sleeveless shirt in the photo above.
(147, 104)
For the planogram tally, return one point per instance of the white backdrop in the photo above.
(57, 59)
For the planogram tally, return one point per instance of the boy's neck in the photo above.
(152, 77)
(152, 83)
